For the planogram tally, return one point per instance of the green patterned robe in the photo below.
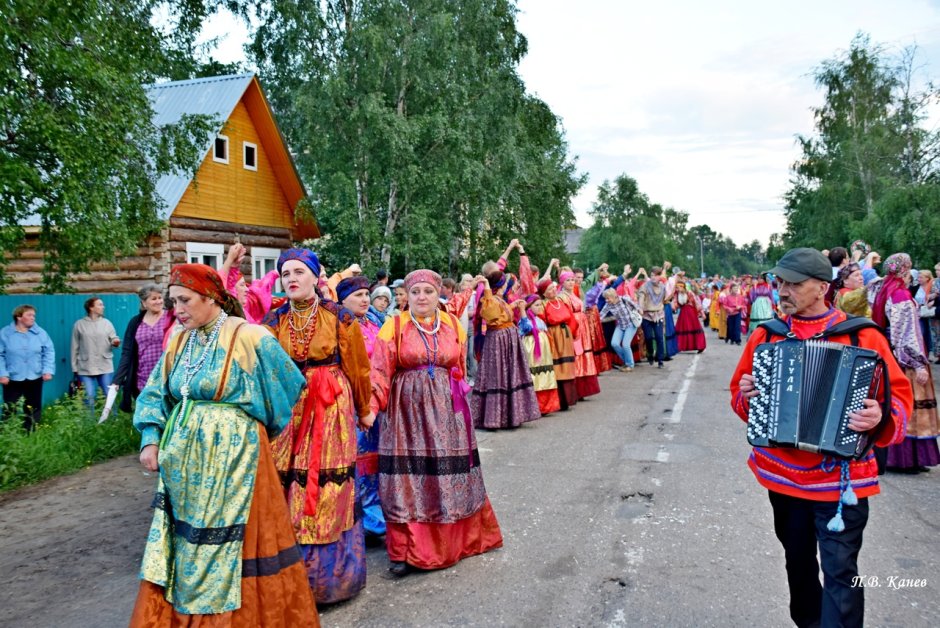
(208, 460)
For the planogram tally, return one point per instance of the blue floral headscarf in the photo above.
(308, 257)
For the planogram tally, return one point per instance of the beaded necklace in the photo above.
(190, 368)
(302, 333)
(423, 334)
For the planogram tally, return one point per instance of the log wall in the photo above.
(123, 276)
(152, 261)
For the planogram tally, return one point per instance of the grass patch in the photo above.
(67, 439)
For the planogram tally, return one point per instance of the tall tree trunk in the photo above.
(362, 212)
(864, 174)
(394, 211)
(390, 223)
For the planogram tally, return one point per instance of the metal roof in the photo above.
(216, 96)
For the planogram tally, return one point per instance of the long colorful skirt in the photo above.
(273, 585)
(564, 362)
(543, 372)
(608, 328)
(430, 482)
(367, 479)
(714, 314)
(584, 368)
(638, 346)
(919, 447)
(669, 333)
(689, 332)
(602, 355)
(723, 324)
(762, 309)
(503, 395)
(321, 495)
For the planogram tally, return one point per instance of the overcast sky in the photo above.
(700, 102)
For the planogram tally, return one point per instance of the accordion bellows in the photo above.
(807, 391)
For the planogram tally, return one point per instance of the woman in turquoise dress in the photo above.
(221, 542)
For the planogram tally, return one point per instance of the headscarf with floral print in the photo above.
(893, 286)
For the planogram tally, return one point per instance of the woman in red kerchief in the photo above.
(585, 369)
(430, 482)
(562, 330)
(316, 452)
(221, 550)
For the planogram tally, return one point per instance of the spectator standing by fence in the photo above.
(143, 344)
(27, 359)
(93, 338)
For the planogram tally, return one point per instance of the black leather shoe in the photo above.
(399, 569)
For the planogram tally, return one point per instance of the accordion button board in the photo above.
(806, 391)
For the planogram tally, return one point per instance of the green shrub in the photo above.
(67, 439)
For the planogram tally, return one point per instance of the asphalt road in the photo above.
(633, 509)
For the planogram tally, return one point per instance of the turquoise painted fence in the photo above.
(56, 313)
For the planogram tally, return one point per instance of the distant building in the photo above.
(247, 186)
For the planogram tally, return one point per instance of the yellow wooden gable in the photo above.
(226, 188)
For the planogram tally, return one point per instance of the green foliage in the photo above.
(413, 130)
(66, 440)
(629, 229)
(79, 154)
(907, 218)
(869, 171)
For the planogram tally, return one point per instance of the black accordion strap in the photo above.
(775, 327)
(850, 327)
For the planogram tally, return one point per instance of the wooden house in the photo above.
(247, 187)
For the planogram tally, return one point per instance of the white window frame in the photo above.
(199, 250)
(245, 147)
(228, 149)
(260, 253)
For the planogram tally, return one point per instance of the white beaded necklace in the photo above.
(190, 368)
(430, 332)
(306, 314)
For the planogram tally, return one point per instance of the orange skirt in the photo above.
(548, 401)
(439, 545)
(281, 598)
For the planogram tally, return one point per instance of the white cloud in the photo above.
(700, 102)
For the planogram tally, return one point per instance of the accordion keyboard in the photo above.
(761, 412)
(859, 388)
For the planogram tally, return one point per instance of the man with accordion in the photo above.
(818, 389)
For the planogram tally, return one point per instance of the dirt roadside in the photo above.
(70, 548)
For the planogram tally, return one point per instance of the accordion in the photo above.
(807, 391)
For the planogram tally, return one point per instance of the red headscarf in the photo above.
(206, 281)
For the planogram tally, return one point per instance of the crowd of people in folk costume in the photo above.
(358, 398)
